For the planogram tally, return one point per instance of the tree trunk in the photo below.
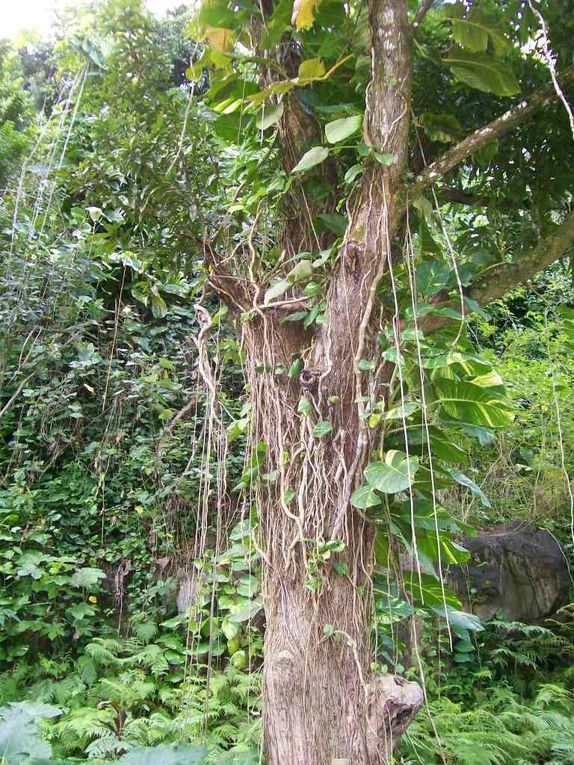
(321, 702)
(314, 687)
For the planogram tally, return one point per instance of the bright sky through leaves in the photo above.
(38, 14)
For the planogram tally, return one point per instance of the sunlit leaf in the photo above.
(270, 115)
(395, 474)
(339, 130)
(219, 38)
(484, 73)
(311, 158)
(304, 12)
(311, 69)
(471, 404)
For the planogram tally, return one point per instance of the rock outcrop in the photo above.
(515, 569)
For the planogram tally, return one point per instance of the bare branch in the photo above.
(484, 135)
(424, 8)
(496, 281)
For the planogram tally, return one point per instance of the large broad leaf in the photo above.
(428, 591)
(311, 69)
(483, 72)
(433, 275)
(401, 412)
(395, 474)
(471, 404)
(365, 497)
(446, 358)
(473, 30)
(338, 130)
(19, 733)
(278, 289)
(460, 621)
(87, 577)
(219, 38)
(313, 157)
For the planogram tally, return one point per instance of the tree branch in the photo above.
(424, 8)
(233, 289)
(484, 135)
(502, 277)
(456, 195)
(496, 281)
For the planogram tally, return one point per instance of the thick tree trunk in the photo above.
(321, 701)
(314, 686)
(322, 704)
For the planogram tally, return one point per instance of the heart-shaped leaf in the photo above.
(313, 157)
(395, 474)
(338, 130)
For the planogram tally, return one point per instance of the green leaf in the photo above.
(20, 737)
(459, 620)
(440, 127)
(247, 611)
(311, 158)
(338, 130)
(384, 158)
(322, 428)
(428, 591)
(401, 412)
(311, 69)
(353, 172)
(473, 30)
(295, 369)
(179, 754)
(80, 611)
(483, 73)
(278, 289)
(158, 306)
(395, 474)
(464, 480)
(86, 577)
(364, 497)
(335, 222)
(382, 548)
(269, 116)
(302, 271)
(432, 276)
(472, 404)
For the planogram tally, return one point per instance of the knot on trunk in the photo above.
(392, 705)
(309, 380)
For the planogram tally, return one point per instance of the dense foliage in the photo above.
(130, 605)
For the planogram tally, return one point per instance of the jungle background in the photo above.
(110, 156)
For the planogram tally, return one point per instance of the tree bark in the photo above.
(321, 700)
